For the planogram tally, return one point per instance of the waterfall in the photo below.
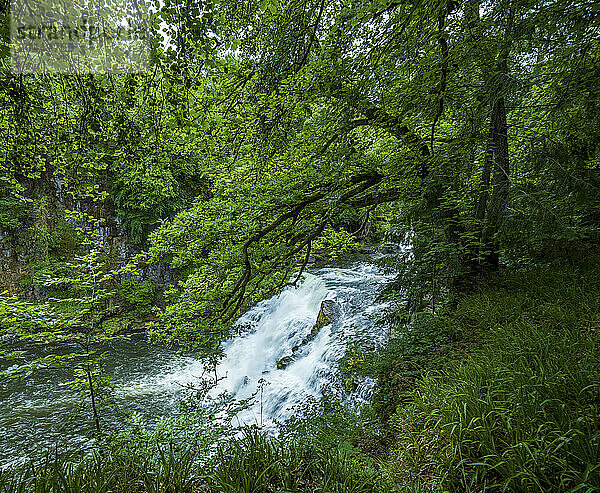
(277, 325)
(34, 413)
(272, 328)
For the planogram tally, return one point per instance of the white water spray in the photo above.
(273, 327)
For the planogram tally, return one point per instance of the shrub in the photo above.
(335, 244)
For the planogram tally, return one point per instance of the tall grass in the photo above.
(104, 472)
(252, 464)
(522, 412)
(257, 464)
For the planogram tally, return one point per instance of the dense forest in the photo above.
(461, 138)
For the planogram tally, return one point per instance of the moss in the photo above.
(322, 321)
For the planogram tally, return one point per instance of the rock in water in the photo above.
(322, 320)
(283, 362)
(328, 313)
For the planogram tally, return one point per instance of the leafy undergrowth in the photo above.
(257, 464)
(253, 463)
(169, 471)
(521, 413)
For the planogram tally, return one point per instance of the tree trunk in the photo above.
(88, 372)
(498, 199)
(500, 184)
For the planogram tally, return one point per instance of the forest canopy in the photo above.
(262, 126)
(428, 169)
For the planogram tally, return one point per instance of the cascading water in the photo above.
(281, 323)
(150, 377)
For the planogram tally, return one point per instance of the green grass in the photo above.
(105, 472)
(521, 413)
(250, 465)
(258, 464)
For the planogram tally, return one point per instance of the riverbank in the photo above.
(51, 414)
(508, 396)
(500, 394)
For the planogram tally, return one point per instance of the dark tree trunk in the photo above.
(484, 188)
(88, 372)
(500, 185)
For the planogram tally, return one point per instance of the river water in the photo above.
(39, 412)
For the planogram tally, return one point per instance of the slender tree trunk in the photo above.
(88, 371)
(470, 262)
(484, 188)
(498, 199)
(500, 185)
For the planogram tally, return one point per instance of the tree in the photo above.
(264, 123)
(371, 102)
(67, 321)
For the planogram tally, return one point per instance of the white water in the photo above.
(273, 327)
(32, 413)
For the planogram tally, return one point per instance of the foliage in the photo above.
(103, 472)
(12, 212)
(250, 464)
(261, 128)
(140, 295)
(152, 188)
(500, 392)
(335, 244)
(245, 144)
(462, 136)
(258, 464)
(428, 343)
(325, 421)
(520, 412)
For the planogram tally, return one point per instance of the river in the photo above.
(39, 412)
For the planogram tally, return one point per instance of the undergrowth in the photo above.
(251, 464)
(521, 413)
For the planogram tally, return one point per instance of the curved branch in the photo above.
(236, 296)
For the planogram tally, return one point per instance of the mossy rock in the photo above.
(322, 321)
(284, 362)
(327, 313)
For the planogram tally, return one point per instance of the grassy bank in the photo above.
(501, 394)
(251, 464)
(521, 411)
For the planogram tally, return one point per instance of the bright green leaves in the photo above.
(335, 244)
(146, 190)
(265, 123)
(270, 5)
